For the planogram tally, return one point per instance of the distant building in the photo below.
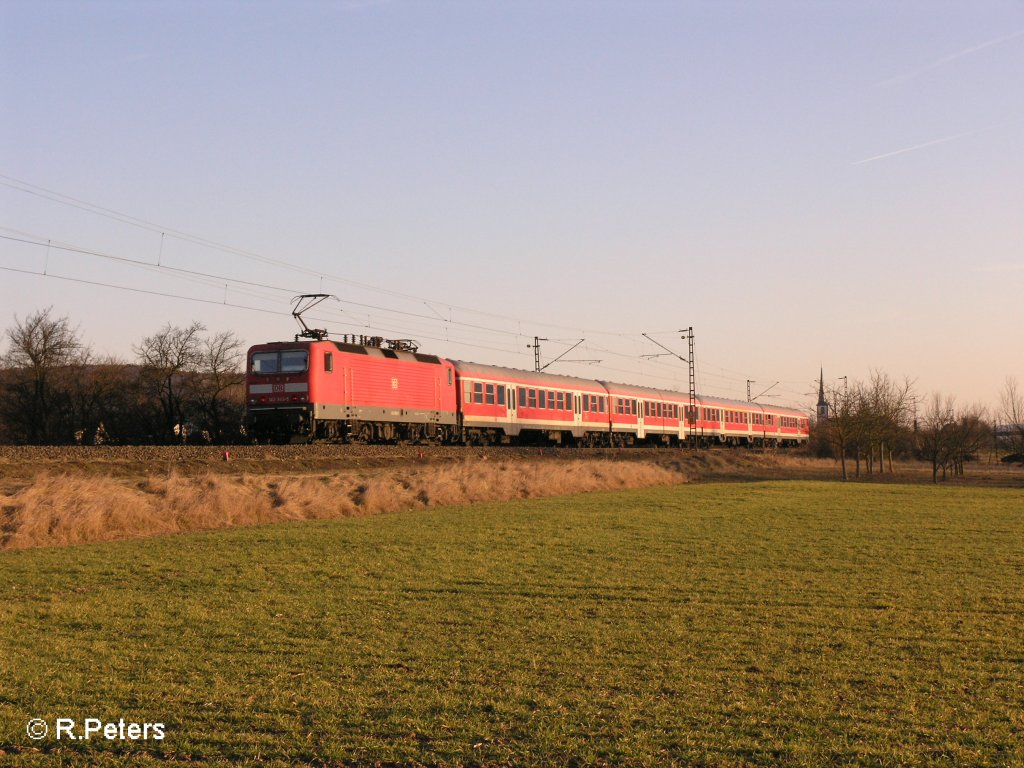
(822, 403)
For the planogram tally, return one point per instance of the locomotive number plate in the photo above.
(394, 383)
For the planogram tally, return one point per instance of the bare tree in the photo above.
(1011, 414)
(841, 427)
(219, 372)
(41, 350)
(934, 433)
(167, 357)
(970, 433)
(886, 415)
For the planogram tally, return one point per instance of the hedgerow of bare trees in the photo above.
(185, 384)
(949, 435)
(869, 422)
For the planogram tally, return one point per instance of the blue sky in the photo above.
(805, 183)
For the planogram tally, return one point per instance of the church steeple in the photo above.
(822, 403)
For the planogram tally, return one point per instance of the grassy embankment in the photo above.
(755, 624)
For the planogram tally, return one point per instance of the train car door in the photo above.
(639, 418)
(511, 409)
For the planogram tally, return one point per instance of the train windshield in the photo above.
(289, 361)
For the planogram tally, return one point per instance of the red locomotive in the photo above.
(368, 391)
(327, 390)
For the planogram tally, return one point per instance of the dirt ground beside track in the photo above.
(19, 465)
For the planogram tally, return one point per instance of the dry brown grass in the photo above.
(64, 509)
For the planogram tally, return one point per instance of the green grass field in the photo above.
(720, 624)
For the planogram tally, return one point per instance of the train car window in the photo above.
(478, 392)
(467, 396)
(328, 362)
(489, 398)
(542, 398)
(533, 398)
(586, 403)
(522, 397)
(294, 361)
(501, 394)
(449, 377)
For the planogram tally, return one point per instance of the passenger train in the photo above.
(377, 391)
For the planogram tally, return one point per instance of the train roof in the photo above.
(748, 406)
(670, 394)
(541, 379)
(354, 349)
(634, 390)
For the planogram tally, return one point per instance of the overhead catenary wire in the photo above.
(166, 231)
(267, 292)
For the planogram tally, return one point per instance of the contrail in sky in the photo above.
(931, 143)
(953, 57)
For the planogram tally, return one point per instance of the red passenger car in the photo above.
(646, 414)
(498, 404)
